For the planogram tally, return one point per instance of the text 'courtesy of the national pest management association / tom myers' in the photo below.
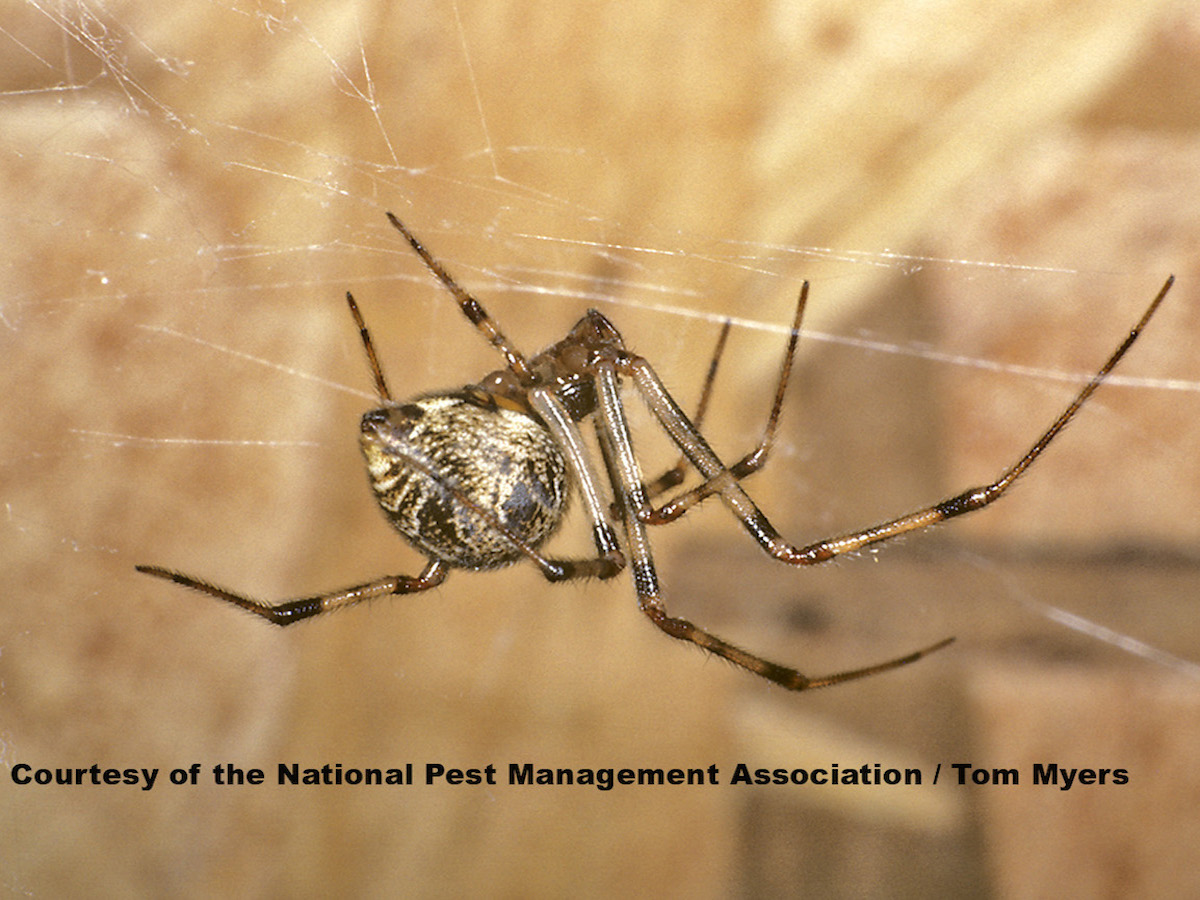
(1063, 777)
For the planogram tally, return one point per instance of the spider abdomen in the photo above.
(436, 462)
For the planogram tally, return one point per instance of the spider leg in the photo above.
(608, 563)
(626, 476)
(470, 307)
(673, 477)
(372, 359)
(723, 480)
(290, 611)
(546, 404)
(674, 508)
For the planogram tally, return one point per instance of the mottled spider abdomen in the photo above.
(425, 456)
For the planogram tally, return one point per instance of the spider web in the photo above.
(192, 190)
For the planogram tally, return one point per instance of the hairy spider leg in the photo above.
(724, 480)
(672, 509)
(673, 477)
(554, 414)
(372, 358)
(290, 611)
(609, 563)
(470, 307)
(617, 449)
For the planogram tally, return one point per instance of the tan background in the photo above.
(984, 197)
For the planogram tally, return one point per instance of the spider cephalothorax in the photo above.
(479, 478)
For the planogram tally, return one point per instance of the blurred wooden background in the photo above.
(984, 197)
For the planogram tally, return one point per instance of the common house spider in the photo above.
(479, 478)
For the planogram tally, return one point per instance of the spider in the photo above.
(479, 478)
